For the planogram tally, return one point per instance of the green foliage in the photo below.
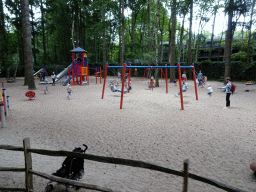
(214, 70)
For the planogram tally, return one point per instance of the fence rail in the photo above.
(140, 164)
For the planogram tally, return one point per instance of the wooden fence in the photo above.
(29, 172)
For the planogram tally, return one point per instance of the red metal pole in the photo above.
(96, 74)
(88, 73)
(166, 79)
(129, 79)
(100, 74)
(2, 84)
(106, 70)
(122, 93)
(73, 78)
(194, 75)
(180, 83)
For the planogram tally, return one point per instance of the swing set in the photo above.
(161, 67)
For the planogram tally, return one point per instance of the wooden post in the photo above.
(185, 183)
(28, 166)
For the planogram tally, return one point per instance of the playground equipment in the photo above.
(147, 73)
(79, 66)
(97, 73)
(179, 72)
(4, 106)
(30, 94)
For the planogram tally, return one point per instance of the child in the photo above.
(184, 76)
(69, 90)
(151, 83)
(184, 88)
(210, 90)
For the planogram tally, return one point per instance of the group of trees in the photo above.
(115, 31)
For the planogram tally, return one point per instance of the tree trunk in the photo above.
(149, 33)
(133, 41)
(181, 38)
(250, 31)
(213, 25)
(189, 40)
(172, 46)
(34, 37)
(104, 39)
(156, 42)
(42, 23)
(3, 39)
(29, 76)
(228, 41)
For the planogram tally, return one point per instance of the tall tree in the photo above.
(190, 39)
(104, 39)
(233, 6)
(43, 31)
(29, 76)
(172, 45)
(215, 10)
(149, 31)
(3, 39)
(250, 32)
(156, 42)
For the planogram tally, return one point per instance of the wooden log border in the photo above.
(140, 164)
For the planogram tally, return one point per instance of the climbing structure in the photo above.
(80, 67)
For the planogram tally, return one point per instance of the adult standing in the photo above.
(227, 91)
(200, 78)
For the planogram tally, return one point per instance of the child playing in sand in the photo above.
(69, 90)
(184, 87)
(210, 90)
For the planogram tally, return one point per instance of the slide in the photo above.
(60, 75)
(66, 82)
(38, 72)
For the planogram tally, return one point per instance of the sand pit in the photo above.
(219, 143)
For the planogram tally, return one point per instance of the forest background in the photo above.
(110, 35)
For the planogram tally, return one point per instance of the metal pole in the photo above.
(8, 102)
(122, 93)
(129, 79)
(166, 79)
(5, 102)
(2, 115)
(104, 81)
(181, 96)
(194, 75)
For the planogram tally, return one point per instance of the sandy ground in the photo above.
(151, 127)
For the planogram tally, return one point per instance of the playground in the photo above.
(150, 127)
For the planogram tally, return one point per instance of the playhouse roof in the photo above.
(78, 50)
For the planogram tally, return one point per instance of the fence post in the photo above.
(2, 115)
(185, 183)
(28, 166)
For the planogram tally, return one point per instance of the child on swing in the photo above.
(184, 88)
